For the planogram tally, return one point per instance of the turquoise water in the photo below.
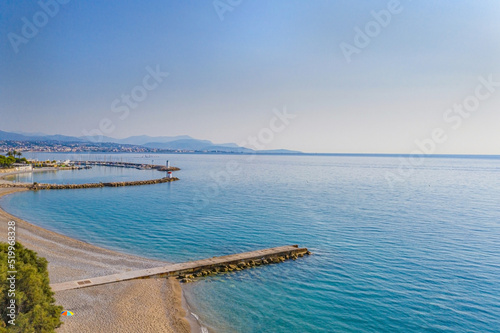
(423, 255)
(94, 175)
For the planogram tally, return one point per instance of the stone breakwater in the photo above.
(37, 186)
(95, 185)
(16, 185)
(242, 264)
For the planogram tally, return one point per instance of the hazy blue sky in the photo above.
(226, 76)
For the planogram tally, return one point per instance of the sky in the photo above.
(343, 76)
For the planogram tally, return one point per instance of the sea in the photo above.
(396, 247)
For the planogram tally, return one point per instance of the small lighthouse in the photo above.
(168, 164)
(169, 174)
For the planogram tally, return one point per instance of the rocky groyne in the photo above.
(37, 186)
(239, 265)
(16, 185)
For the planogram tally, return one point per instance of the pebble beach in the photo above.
(149, 305)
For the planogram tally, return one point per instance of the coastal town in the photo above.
(72, 147)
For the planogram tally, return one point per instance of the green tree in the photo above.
(6, 161)
(14, 153)
(35, 308)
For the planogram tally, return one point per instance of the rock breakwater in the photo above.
(37, 186)
(242, 264)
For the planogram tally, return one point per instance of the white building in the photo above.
(22, 167)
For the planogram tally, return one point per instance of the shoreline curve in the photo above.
(148, 305)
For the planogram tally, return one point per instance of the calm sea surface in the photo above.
(422, 255)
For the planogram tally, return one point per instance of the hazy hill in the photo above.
(180, 142)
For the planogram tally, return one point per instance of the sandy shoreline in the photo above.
(149, 305)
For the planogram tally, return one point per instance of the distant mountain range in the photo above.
(38, 137)
(197, 145)
(169, 143)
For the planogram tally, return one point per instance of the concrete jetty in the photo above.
(186, 271)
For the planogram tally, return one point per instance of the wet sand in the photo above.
(148, 305)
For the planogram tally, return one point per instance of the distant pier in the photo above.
(140, 166)
(193, 269)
